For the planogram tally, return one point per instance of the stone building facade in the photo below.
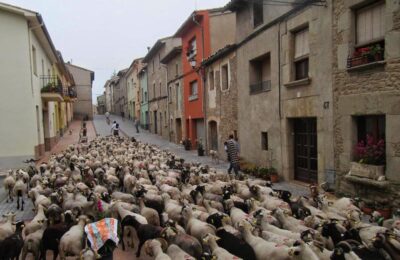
(157, 79)
(284, 105)
(221, 98)
(173, 62)
(132, 89)
(366, 91)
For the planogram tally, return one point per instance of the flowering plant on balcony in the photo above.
(370, 152)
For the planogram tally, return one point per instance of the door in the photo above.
(200, 130)
(178, 130)
(146, 115)
(155, 122)
(212, 125)
(306, 151)
(161, 123)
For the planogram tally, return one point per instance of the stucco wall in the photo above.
(222, 30)
(83, 106)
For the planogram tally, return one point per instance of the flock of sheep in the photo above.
(169, 209)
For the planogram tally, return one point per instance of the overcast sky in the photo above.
(106, 35)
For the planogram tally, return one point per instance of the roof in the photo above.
(157, 46)
(76, 66)
(197, 14)
(219, 54)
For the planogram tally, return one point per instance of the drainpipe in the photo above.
(203, 78)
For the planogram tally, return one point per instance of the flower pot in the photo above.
(274, 178)
(385, 212)
(366, 170)
(367, 210)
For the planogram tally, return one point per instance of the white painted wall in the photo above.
(21, 127)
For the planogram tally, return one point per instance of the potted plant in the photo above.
(376, 52)
(370, 159)
(273, 175)
(264, 173)
(187, 144)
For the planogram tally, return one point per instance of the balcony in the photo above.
(193, 97)
(259, 87)
(365, 57)
(52, 89)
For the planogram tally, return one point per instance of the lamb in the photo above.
(71, 242)
(51, 238)
(155, 248)
(37, 221)
(9, 183)
(7, 228)
(264, 249)
(289, 222)
(19, 191)
(39, 199)
(175, 252)
(217, 251)
(10, 248)
(144, 231)
(195, 227)
(150, 214)
(278, 239)
(32, 243)
(189, 244)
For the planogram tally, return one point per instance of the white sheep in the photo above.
(71, 241)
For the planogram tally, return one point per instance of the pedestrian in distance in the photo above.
(123, 115)
(233, 155)
(137, 123)
(115, 129)
(107, 118)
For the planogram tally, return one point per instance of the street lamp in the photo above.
(192, 62)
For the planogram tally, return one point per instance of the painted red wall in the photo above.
(194, 109)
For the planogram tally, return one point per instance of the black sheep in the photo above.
(10, 248)
(234, 245)
(144, 231)
(51, 239)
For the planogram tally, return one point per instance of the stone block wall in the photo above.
(372, 90)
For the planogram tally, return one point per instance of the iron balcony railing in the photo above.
(51, 84)
(260, 87)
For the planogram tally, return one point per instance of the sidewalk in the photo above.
(68, 139)
(128, 127)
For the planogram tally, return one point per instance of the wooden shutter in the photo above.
(301, 44)
(370, 23)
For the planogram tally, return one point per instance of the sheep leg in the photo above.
(139, 248)
(122, 240)
(18, 202)
(55, 254)
(22, 208)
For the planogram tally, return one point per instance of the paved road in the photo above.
(129, 129)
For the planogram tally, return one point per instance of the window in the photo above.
(153, 68)
(170, 93)
(370, 24)
(176, 69)
(224, 77)
(301, 51)
(211, 80)
(177, 98)
(145, 96)
(34, 64)
(192, 48)
(165, 118)
(159, 61)
(370, 125)
(42, 67)
(258, 13)
(160, 89)
(154, 90)
(260, 74)
(264, 141)
(193, 90)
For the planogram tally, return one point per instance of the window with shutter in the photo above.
(224, 77)
(370, 23)
(211, 80)
(301, 52)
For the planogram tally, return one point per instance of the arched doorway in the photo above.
(213, 135)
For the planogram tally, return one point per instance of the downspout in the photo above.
(169, 115)
(279, 92)
(203, 78)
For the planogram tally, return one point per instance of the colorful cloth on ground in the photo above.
(101, 231)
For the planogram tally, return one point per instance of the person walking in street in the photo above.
(233, 155)
(115, 129)
(107, 117)
(123, 115)
(137, 123)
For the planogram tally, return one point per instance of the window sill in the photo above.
(193, 98)
(367, 66)
(300, 82)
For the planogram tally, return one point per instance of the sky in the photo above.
(107, 35)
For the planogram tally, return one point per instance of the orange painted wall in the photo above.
(194, 109)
